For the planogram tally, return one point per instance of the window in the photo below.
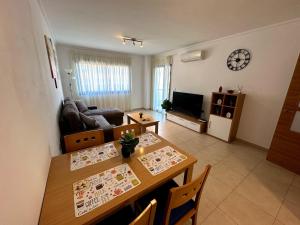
(96, 78)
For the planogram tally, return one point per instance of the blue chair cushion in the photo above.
(161, 195)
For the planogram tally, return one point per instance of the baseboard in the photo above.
(251, 144)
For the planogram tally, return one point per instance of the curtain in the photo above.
(161, 85)
(103, 81)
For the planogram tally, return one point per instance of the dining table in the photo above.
(58, 203)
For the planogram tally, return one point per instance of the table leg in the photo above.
(156, 128)
(128, 119)
(188, 174)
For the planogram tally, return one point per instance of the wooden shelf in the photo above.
(230, 103)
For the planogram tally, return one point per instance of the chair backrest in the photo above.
(120, 130)
(147, 216)
(181, 195)
(85, 139)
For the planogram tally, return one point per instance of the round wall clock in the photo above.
(238, 59)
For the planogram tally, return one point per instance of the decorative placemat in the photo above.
(93, 155)
(98, 189)
(161, 160)
(147, 139)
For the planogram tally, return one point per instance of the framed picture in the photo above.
(52, 58)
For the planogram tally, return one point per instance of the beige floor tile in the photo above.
(293, 195)
(266, 194)
(277, 222)
(215, 190)
(218, 217)
(296, 181)
(289, 213)
(241, 165)
(244, 212)
(226, 175)
(206, 207)
(272, 172)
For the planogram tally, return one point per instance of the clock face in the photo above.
(238, 59)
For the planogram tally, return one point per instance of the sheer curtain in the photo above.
(103, 81)
(161, 85)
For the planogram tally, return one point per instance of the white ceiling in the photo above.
(162, 24)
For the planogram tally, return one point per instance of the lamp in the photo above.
(132, 40)
(69, 73)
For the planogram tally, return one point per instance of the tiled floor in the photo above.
(243, 188)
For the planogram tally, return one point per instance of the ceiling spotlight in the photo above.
(133, 40)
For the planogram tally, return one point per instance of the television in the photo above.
(187, 103)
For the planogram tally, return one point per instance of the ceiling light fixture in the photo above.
(133, 41)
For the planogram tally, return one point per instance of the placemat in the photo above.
(147, 139)
(98, 189)
(92, 156)
(161, 160)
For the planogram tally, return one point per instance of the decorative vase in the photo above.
(141, 115)
(220, 89)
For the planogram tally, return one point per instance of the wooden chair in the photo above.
(147, 216)
(81, 140)
(120, 130)
(180, 201)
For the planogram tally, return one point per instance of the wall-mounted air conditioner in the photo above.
(192, 56)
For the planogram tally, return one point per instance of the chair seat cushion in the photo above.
(122, 217)
(161, 195)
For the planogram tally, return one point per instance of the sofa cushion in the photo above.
(81, 106)
(102, 122)
(107, 113)
(90, 122)
(71, 116)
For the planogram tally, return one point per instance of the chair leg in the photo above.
(194, 219)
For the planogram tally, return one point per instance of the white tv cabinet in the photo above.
(187, 121)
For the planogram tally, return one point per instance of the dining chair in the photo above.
(85, 139)
(176, 204)
(129, 128)
(180, 204)
(147, 216)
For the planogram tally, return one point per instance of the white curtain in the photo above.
(103, 81)
(161, 85)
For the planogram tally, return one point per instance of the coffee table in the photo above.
(146, 121)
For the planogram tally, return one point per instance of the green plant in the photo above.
(166, 104)
(128, 142)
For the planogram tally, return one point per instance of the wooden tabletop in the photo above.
(146, 119)
(58, 205)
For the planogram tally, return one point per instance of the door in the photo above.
(285, 146)
(161, 85)
(219, 127)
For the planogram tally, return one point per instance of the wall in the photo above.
(64, 53)
(274, 52)
(29, 106)
(147, 82)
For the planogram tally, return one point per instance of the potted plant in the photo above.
(166, 104)
(128, 142)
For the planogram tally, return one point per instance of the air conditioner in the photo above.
(192, 56)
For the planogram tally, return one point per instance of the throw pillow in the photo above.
(81, 106)
(89, 121)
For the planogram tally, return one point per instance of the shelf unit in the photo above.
(225, 113)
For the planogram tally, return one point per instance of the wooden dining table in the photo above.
(58, 204)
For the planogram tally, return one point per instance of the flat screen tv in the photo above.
(187, 103)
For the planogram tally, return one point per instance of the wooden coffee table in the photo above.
(146, 121)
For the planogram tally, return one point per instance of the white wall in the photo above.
(29, 106)
(274, 51)
(64, 54)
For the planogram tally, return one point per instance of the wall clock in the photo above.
(238, 59)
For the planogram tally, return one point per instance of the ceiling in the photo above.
(162, 24)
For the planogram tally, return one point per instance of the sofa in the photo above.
(76, 116)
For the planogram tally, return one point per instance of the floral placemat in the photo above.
(147, 139)
(98, 189)
(93, 155)
(161, 160)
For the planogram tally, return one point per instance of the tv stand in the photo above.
(187, 121)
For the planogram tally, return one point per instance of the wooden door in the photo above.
(285, 146)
